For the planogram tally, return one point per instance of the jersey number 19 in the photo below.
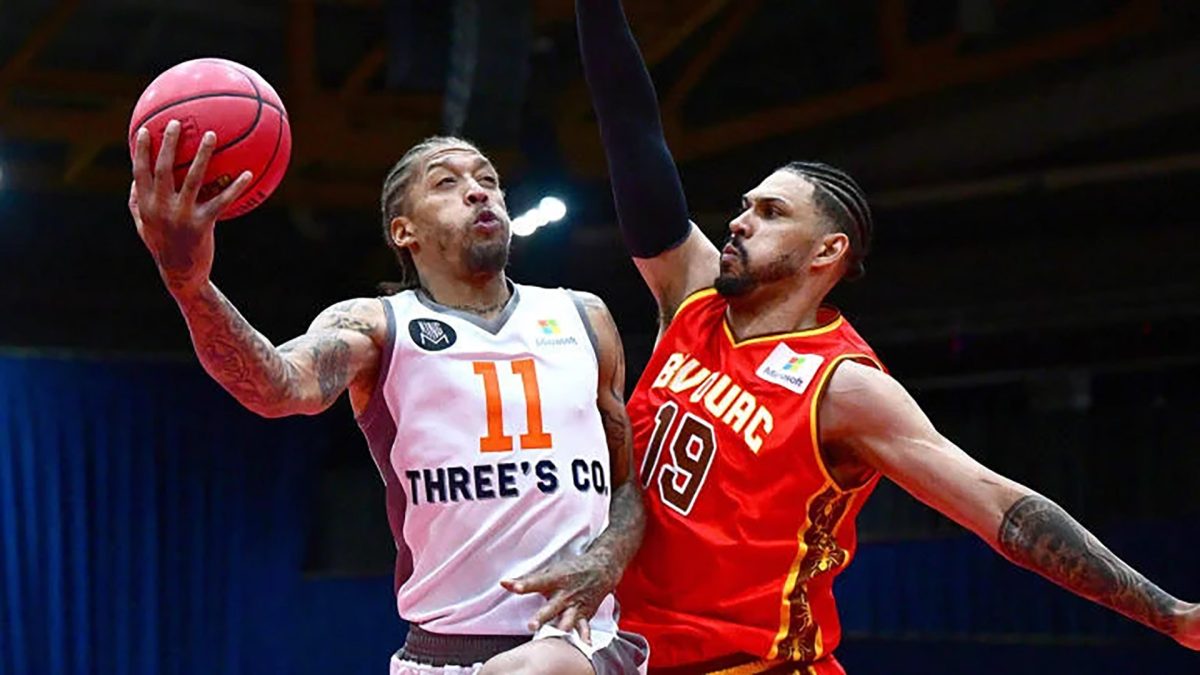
(692, 447)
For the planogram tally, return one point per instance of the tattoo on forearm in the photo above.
(233, 352)
(626, 524)
(256, 373)
(626, 514)
(1036, 533)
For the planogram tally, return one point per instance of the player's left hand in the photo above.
(1188, 633)
(573, 588)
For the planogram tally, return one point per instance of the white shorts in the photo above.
(610, 654)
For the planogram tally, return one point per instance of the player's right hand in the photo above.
(176, 228)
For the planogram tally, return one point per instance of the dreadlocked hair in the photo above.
(839, 199)
(393, 203)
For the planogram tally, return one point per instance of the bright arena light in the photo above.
(549, 210)
(522, 226)
(553, 207)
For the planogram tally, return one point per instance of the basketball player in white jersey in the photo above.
(494, 412)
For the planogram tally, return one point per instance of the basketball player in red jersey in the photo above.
(429, 370)
(763, 421)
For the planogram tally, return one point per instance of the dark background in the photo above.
(1033, 167)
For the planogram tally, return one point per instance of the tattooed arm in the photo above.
(306, 375)
(576, 587)
(626, 516)
(867, 418)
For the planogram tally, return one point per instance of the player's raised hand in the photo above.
(1188, 633)
(573, 588)
(174, 225)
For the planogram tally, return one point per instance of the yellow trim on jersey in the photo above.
(816, 404)
(819, 642)
(785, 604)
(760, 667)
(785, 615)
(819, 330)
(697, 295)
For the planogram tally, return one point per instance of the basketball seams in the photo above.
(266, 167)
(247, 131)
(258, 117)
(196, 97)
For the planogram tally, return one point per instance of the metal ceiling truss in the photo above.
(346, 133)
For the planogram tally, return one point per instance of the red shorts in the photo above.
(826, 666)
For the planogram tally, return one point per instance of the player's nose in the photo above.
(476, 194)
(739, 225)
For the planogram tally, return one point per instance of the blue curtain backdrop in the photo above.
(148, 525)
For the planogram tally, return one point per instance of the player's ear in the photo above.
(402, 232)
(830, 249)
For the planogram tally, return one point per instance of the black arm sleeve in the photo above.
(651, 208)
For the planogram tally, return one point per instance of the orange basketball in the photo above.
(235, 103)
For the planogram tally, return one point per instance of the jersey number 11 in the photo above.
(535, 438)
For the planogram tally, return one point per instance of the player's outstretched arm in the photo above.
(303, 376)
(872, 417)
(575, 588)
(672, 254)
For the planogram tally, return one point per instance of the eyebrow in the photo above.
(440, 163)
(777, 200)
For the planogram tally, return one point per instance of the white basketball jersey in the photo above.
(492, 450)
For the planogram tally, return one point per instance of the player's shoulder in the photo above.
(860, 392)
(588, 300)
(368, 316)
(852, 375)
(359, 307)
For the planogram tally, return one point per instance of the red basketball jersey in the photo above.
(745, 528)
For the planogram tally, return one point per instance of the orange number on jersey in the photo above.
(495, 441)
(536, 438)
(693, 447)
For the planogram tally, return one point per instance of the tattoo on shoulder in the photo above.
(1038, 534)
(360, 316)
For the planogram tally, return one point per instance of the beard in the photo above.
(734, 281)
(486, 257)
(739, 279)
(731, 285)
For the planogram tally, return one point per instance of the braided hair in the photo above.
(840, 199)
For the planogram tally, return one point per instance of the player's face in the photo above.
(773, 238)
(458, 216)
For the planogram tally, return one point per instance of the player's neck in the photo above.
(769, 311)
(485, 296)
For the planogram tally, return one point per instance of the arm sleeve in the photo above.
(651, 207)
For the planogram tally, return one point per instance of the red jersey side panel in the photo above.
(745, 529)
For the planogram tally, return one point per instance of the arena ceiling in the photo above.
(910, 93)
